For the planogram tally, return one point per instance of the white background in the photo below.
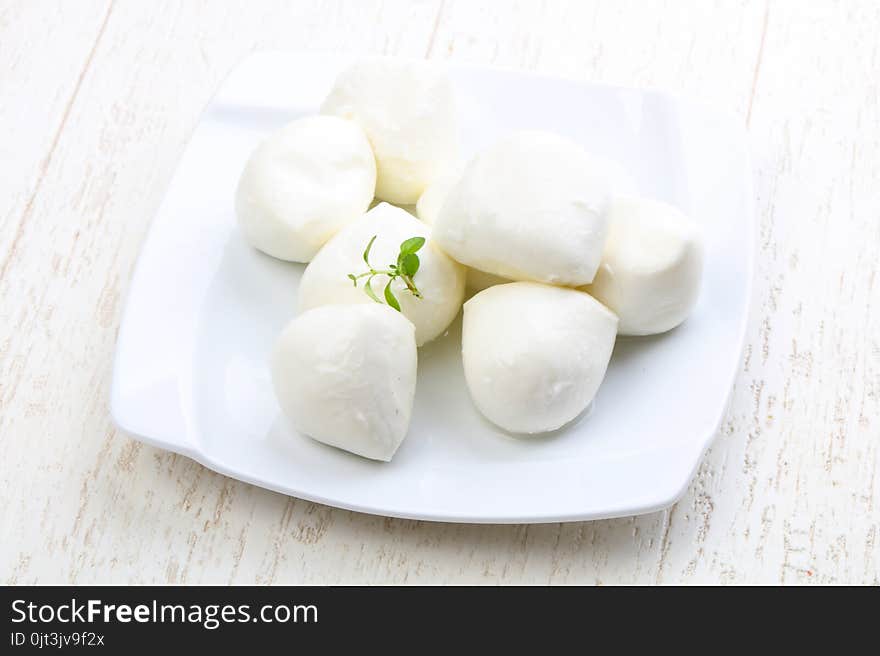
(97, 100)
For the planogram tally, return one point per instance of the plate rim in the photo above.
(186, 444)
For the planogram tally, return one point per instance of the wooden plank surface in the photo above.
(97, 100)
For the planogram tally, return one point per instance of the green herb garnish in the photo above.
(405, 268)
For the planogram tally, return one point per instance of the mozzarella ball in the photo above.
(427, 209)
(302, 184)
(534, 355)
(407, 110)
(432, 199)
(345, 375)
(651, 266)
(440, 279)
(531, 207)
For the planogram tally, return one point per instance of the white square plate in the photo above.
(204, 309)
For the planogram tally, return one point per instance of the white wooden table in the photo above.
(97, 99)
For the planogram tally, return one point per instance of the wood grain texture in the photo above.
(97, 101)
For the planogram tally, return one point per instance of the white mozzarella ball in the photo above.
(432, 199)
(345, 375)
(534, 355)
(303, 184)
(407, 110)
(427, 209)
(440, 279)
(531, 207)
(651, 266)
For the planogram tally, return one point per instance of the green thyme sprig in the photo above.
(406, 267)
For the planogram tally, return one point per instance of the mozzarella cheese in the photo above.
(439, 279)
(651, 266)
(407, 110)
(303, 184)
(345, 375)
(534, 355)
(432, 199)
(531, 207)
(427, 209)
